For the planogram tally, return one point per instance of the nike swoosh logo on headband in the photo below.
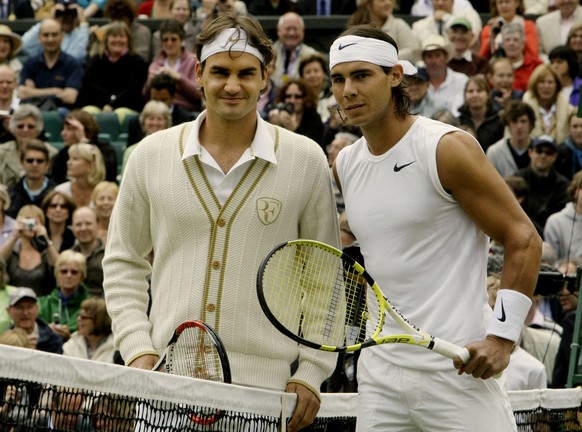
(341, 47)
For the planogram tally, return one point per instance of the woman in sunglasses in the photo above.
(296, 110)
(58, 209)
(62, 306)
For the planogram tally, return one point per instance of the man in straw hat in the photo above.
(443, 202)
(445, 85)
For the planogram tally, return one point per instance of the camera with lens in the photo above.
(496, 28)
(29, 223)
(282, 106)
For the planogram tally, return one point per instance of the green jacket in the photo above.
(5, 320)
(68, 309)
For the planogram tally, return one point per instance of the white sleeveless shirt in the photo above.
(428, 257)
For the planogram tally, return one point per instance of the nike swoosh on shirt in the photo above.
(398, 168)
(502, 317)
(341, 47)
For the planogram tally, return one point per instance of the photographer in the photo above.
(75, 31)
(502, 14)
(295, 109)
(29, 254)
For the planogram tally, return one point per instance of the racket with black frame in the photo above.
(322, 298)
(196, 351)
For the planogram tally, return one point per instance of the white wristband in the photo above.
(511, 309)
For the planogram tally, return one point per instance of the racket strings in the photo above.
(314, 295)
(194, 354)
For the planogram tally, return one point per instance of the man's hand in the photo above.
(62, 330)
(306, 408)
(147, 361)
(488, 357)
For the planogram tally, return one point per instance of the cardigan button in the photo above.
(215, 265)
(210, 307)
(221, 222)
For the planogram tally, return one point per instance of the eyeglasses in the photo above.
(33, 160)
(58, 205)
(72, 271)
(293, 96)
(25, 126)
(547, 152)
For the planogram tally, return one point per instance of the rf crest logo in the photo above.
(268, 210)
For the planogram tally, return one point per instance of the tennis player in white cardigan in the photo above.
(211, 198)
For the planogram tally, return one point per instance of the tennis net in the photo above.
(41, 391)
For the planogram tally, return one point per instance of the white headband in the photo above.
(231, 39)
(360, 49)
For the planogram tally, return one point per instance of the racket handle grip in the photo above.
(450, 350)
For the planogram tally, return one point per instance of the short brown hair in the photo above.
(35, 145)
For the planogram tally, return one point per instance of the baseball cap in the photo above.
(421, 74)
(460, 22)
(544, 140)
(21, 294)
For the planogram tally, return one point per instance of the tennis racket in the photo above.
(196, 351)
(322, 298)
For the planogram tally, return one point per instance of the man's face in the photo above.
(231, 85)
(513, 45)
(85, 225)
(461, 38)
(502, 75)
(7, 83)
(23, 314)
(51, 36)
(162, 95)
(435, 60)
(519, 129)
(355, 87)
(542, 158)
(35, 164)
(291, 32)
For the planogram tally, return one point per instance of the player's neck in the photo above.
(228, 133)
(382, 136)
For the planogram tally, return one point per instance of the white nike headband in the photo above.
(232, 39)
(360, 49)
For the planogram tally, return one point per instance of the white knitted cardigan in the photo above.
(207, 256)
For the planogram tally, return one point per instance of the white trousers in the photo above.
(392, 398)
